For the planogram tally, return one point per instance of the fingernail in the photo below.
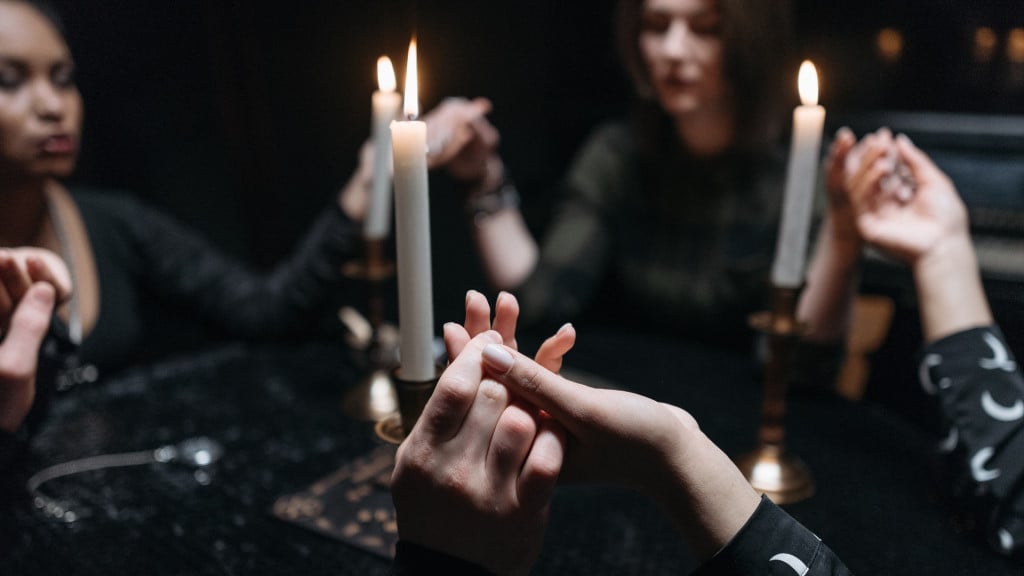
(906, 139)
(469, 294)
(497, 358)
(565, 327)
(44, 296)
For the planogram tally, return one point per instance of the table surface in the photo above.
(276, 410)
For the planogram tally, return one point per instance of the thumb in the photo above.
(921, 166)
(20, 349)
(563, 399)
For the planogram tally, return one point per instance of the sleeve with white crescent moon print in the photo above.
(773, 543)
(981, 391)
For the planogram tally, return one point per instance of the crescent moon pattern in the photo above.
(978, 470)
(997, 411)
(1000, 359)
(793, 562)
(950, 442)
(1005, 540)
(924, 374)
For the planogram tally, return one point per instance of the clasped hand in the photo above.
(32, 280)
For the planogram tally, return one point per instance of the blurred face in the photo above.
(40, 107)
(681, 45)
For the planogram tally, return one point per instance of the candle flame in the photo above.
(807, 82)
(412, 103)
(386, 75)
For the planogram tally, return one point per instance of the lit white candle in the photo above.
(386, 105)
(801, 175)
(412, 236)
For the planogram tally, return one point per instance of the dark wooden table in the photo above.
(277, 412)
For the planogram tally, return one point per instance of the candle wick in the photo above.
(410, 117)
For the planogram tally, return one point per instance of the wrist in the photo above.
(703, 492)
(491, 196)
(951, 297)
(842, 242)
(946, 258)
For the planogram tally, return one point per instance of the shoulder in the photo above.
(611, 140)
(107, 203)
(605, 161)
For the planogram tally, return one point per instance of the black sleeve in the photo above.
(412, 559)
(182, 267)
(981, 393)
(772, 542)
(11, 447)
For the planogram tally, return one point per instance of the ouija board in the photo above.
(353, 504)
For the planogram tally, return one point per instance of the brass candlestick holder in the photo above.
(770, 469)
(374, 397)
(412, 397)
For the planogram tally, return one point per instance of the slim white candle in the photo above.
(801, 175)
(386, 105)
(412, 236)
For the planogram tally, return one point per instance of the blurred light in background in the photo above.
(985, 41)
(889, 44)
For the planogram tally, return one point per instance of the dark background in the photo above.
(243, 118)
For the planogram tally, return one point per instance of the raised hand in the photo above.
(906, 226)
(464, 141)
(19, 352)
(475, 476)
(506, 315)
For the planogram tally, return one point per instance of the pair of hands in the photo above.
(869, 204)
(32, 281)
(461, 139)
(475, 477)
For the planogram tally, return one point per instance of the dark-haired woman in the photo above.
(674, 211)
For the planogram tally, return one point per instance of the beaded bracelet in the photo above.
(482, 205)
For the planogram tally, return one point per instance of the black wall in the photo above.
(243, 117)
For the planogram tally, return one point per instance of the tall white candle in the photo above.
(801, 175)
(412, 236)
(386, 105)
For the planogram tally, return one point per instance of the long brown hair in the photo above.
(756, 38)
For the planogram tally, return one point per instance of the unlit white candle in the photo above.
(412, 237)
(386, 105)
(801, 175)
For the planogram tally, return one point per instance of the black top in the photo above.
(153, 271)
(152, 268)
(672, 242)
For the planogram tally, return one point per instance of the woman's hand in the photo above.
(630, 440)
(474, 478)
(907, 225)
(506, 314)
(24, 319)
(354, 198)
(464, 142)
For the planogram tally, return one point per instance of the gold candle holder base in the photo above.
(374, 397)
(770, 469)
(374, 267)
(781, 476)
(412, 397)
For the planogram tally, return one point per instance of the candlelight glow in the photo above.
(807, 82)
(412, 102)
(889, 44)
(985, 41)
(1015, 46)
(386, 75)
